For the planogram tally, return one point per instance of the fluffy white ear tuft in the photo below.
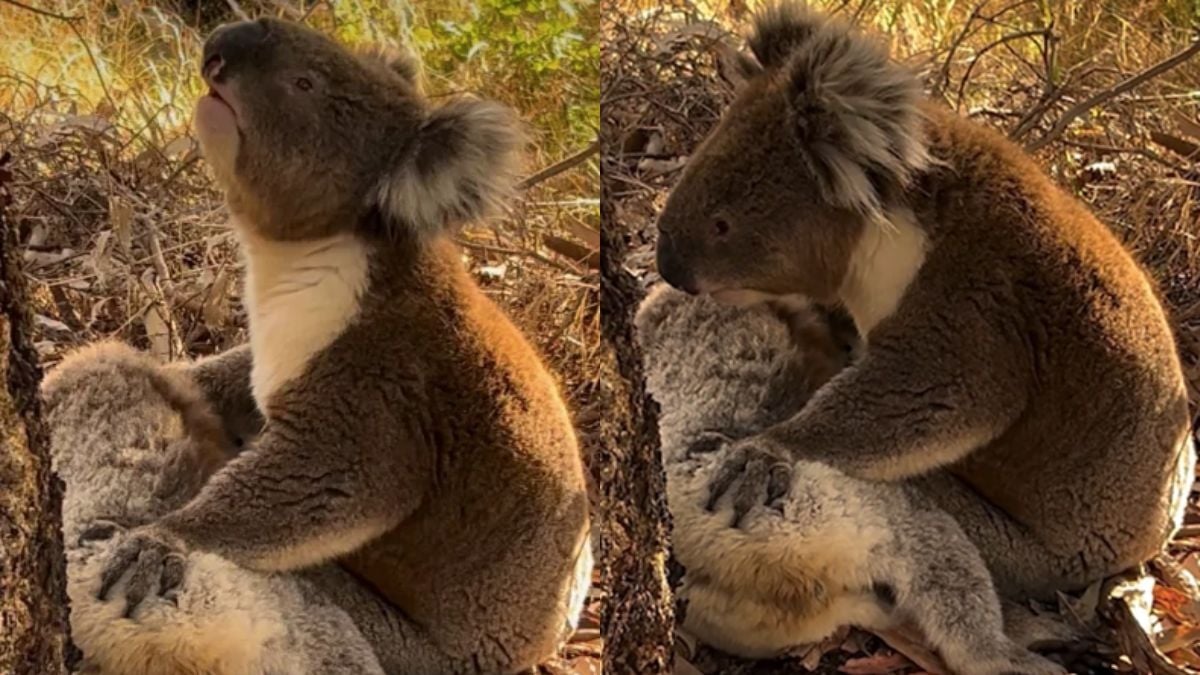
(462, 166)
(856, 111)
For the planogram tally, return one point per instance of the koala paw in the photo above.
(765, 473)
(100, 530)
(708, 442)
(151, 556)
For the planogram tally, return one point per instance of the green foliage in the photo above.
(540, 52)
(540, 56)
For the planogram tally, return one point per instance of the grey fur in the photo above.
(123, 444)
(857, 112)
(838, 550)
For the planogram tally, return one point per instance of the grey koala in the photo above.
(133, 440)
(836, 551)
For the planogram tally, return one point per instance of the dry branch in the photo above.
(560, 166)
(572, 251)
(1100, 97)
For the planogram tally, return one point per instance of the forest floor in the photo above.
(1025, 68)
(125, 234)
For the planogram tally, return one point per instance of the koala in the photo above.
(409, 431)
(132, 441)
(1017, 366)
(838, 550)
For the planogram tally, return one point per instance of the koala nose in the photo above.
(231, 44)
(671, 268)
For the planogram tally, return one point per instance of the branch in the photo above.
(1100, 97)
(560, 166)
(72, 23)
(35, 10)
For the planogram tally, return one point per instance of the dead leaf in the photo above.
(216, 302)
(158, 332)
(120, 217)
(99, 260)
(587, 235)
(876, 664)
(1178, 637)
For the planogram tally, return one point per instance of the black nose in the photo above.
(671, 268)
(230, 45)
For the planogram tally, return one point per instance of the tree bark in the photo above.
(33, 599)
(638, 621)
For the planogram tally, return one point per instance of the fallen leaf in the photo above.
(876, 664)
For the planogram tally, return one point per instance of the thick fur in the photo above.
(410, 430)
(462, 168)
(133, 440)
(1018, 365)
(856, 113)
(839, 550)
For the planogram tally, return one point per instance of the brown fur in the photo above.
(423, 442)
(1026, 376)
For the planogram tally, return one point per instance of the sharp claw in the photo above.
(778, 482)
(172, 573)
(145, 574)
(753, 485)
(726, 475)
(99, 530)
(121, 560)
(707, 443)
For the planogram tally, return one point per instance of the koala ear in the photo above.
(781, 28)
(399, 60)
(461, 166)
(856, 112)
(736, 67)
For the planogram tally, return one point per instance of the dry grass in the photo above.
(124, 232)
(1019, 65)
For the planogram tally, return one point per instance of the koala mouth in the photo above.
(210, 72)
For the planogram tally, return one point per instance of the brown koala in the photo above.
(1018, 366)
(410, 430)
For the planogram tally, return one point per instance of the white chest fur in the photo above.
(882, 265)
(299, 297)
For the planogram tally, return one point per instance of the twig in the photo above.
(1100, 97)
(1117, 150)
(237, 9)
(962, 83)
(35, 10)
(72, 23)
(967, 32)
(518, 252)
(560, 166)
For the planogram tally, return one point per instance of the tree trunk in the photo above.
(638, 623)
(33, 599)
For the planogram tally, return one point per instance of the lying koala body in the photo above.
(838, 550)
(133, 440)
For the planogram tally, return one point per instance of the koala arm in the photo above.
(225, 380)
(919, 399)
(300, 496)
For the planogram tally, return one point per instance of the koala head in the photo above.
(823, 136)
(306, 137)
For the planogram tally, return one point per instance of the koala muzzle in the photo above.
(230, 45)
(671, 268)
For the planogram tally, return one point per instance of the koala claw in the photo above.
(708, 442)
(765, 473)
(100, 530)
(151, 558)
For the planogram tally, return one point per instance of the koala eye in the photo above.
(721, 227)
(304, 84)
